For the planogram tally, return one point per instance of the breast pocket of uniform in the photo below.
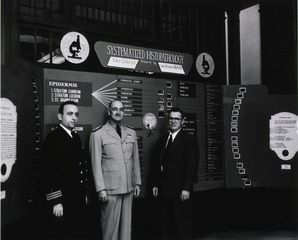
(112, 176)
(110, 146)
(129, 144)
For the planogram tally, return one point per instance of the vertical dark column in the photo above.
(10, 51)
(211, 39)
(279, 44)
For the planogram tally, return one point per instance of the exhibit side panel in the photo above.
(261, 138)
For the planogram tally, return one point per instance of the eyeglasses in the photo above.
(174, 119)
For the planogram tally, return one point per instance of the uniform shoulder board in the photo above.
(128, 126)
(97, 128)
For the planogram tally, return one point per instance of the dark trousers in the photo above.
(176, 218)
(72, 226)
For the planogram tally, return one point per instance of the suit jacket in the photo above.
(65, 169)
(115, 160)
(180, 164)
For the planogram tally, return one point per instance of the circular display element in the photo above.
(74, 47)
(205, 65)
(149, 121)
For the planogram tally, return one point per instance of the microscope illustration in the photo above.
(205, 66)
(75, 48)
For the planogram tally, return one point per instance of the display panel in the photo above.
(261, 138)
(146, 102)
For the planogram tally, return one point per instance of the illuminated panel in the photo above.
(145, 99)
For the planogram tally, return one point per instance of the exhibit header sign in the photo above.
(114, 55)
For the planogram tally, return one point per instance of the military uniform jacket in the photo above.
(115, 161)
(65, 169)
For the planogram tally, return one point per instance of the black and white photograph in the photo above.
(149, 120)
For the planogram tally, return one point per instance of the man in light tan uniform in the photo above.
(116, 169)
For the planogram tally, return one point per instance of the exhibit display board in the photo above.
(261, 137)
(146, 101)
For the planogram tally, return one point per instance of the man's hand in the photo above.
(155, 191)
(184, 195)
(103, 196)
(58, 210)
(137, 191)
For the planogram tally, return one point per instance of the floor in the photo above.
(252, 235)
(247, 235)
(261, 214)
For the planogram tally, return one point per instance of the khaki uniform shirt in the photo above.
(115, 161)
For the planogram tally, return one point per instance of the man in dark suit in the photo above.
(175, 172)
(65, 174)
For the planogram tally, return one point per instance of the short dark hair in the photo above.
(61, 108)
(176, 109)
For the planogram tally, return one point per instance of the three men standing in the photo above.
(116, 169)
(175, 169)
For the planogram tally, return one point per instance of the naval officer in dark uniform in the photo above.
(66, 175)
(116, 169)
